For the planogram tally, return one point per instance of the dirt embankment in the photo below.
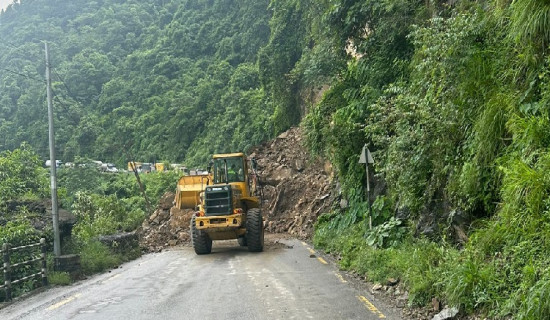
(167, 226)
(296, 190)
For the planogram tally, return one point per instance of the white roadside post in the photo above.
(366, 158)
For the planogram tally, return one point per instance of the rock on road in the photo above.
(289, 280)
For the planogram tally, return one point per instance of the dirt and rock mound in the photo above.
(167, 226)
(296, 188)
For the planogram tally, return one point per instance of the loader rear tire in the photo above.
(254, 230)
(200, 239)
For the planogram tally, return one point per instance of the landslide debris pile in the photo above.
(296, 188)
(167, 226)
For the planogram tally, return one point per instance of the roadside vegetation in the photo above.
(455, 111)
(102, 203)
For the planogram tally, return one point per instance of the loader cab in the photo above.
(229, 169)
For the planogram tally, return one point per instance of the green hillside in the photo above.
(140, 78)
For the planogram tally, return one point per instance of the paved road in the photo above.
(287, 281)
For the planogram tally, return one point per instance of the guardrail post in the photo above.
(44, 275)
(7, 270)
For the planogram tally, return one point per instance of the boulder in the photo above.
(446, 314)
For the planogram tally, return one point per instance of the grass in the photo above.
(419, 264)
(502, 273)
(96, 257)
(59, 278)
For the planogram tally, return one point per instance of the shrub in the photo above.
(21, 174)
(96, 257)
(104, 215)
(59, 278)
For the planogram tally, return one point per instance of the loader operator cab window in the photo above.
(228, 170)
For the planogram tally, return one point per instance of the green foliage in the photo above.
(475, 284)
(59, 278)
(21, 175)
(382, 211)
(419, 264)
(18, 233)
(451, 98)
(103, 215)
(96, 257)
(387, 234)
(465, 127)
(157, 183)
(531, 23)
(158, 86)
(537, 302)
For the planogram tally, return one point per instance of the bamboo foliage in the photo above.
(531, 22)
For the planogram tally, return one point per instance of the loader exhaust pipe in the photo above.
(226, 176)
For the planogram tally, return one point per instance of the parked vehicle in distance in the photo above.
(109, 167)
(58, 163)
(134, 165)
(69, 165)
(146, 167)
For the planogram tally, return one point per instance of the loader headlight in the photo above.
(208, 189)
(226, 188)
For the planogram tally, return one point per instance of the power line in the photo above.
(65, 107)
(23, 75)
(8, 44)
(64, 84)
(69, 92)
(16, 48)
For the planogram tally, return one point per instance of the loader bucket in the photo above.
(189, 189)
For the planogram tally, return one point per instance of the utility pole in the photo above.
(53, 162)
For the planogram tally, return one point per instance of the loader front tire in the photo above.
(254, 230)
(200, 239)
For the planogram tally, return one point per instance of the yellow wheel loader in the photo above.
(227, 204)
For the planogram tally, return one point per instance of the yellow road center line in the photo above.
(111, 278)
(62, 302)
(339, 276)
(371, 307)
(305, 244)
(322, 260)
(311, 251)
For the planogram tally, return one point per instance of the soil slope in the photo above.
(296, 188)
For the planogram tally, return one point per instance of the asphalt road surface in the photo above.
(289, 280)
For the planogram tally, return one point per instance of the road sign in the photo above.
(365, 157)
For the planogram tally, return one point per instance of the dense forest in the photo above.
(154, 80)
(452, 98)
